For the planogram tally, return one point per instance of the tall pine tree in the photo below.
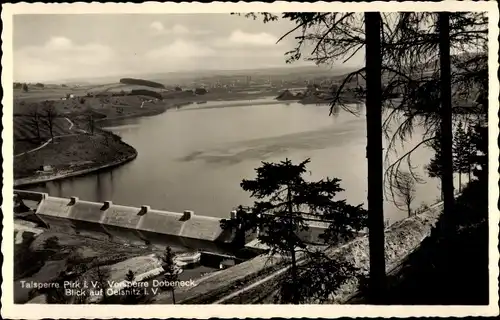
(285, 203)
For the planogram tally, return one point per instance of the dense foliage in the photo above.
(286, 205)
(142, 82)
(465, 152)
(451, 267)
(415, 50)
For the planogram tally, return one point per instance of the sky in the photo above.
(63, 46)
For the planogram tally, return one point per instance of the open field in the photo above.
(77, 110)
(82, 104)
(36, 95)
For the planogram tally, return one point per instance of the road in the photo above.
(301, 260)
(253, 285)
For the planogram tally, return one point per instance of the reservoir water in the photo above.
(195, 158)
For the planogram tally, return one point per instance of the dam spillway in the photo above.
(131, 225)
(142, 225)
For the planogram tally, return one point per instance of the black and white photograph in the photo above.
(251, 154)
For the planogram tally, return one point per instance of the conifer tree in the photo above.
(285, 202)
(171, 271)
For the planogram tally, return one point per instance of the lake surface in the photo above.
(195, 158)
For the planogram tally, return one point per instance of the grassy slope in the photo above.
(451, 267)
(73, 152)
(25, 136)
(25, 130)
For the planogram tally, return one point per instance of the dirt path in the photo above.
(71, 125)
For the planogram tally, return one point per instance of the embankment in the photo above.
(106, 122)
(256, 280)
(64, 174)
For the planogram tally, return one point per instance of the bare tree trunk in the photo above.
(408, 206)
(374, 155)
(446, 113)
(37, 125)
(51, 131)
(295, 296)
(294, 278)
(173, 295)
(50, 124)
(459, 182)
(91, 124)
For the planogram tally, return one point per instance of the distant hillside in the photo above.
(142, 82)
(275, 71)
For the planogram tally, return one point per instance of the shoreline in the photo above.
(180, 105)
(76, 172)
(34, 180)
(243, 103)
(150, 113)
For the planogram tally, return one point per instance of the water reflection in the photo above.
(360, 108)
(335, 111)
(100, 190)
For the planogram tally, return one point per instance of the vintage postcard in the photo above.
(195, 160)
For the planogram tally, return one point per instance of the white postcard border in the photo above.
(29, 311)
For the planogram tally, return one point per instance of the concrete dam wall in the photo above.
(132, 225)
(139, 226)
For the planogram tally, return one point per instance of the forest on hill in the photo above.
(142, 82)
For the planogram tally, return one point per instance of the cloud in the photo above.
(58, 43)
(61, 58)
(239, 38)
(185, 55)
(58, 57)
(159, 29)
(157, 26)
(181, 49)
